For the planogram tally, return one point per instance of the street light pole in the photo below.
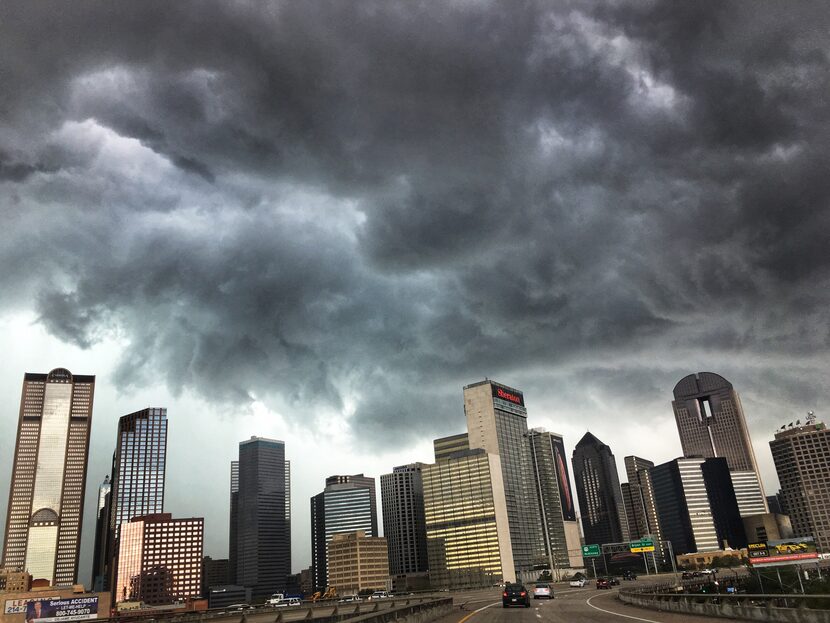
(673, 561)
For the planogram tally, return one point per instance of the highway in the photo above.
(570, 605)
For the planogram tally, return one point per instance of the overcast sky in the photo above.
(316, 221)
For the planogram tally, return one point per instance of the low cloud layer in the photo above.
(352, 209)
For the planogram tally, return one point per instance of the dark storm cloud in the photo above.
(356, 205)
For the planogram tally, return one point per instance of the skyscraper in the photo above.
(546, 449)
(234, 519)
(345, 505)
(46, 496)
(801, 455)
(263, 536)
(363, 481)
(696, 505)
(497, 423)
(468, 536)
(711, 423)
(138, 471)
(402, 498)
(99, 557)
(638, 496)
(598, 490)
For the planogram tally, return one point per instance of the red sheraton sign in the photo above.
(515, 398)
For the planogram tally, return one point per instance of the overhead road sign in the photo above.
(590, 551)
(643, 545)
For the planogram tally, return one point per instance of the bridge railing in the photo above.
(774, 608)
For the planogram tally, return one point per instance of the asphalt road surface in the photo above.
(570, 605)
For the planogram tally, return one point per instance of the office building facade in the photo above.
(599, 493)
(711, 423)
(467, 525)
(159, 559)
(402, 500)
(497, 423)
(102, 519)
(46, 496)
(262, 528)
(139, 465)
(696, 505)
(234, 514)
(358, 563)
(546, 450)
(215, 573)
(445, 446)
(361, 481)
(345, 505)
(638, 497)
(801, 454)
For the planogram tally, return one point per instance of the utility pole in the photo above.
(673, 561)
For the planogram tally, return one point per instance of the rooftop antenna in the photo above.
(811, 418)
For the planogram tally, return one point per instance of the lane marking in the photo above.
(627, 616)
(495, 603)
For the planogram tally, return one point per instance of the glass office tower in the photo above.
(46, 496)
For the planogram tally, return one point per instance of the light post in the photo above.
(673, 561)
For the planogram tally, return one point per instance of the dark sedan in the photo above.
(515, 595)
(603, 583)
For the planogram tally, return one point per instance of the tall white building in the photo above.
(46, 497)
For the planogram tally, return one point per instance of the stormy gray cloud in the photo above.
(336, 207)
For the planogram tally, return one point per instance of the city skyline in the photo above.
(303, 545)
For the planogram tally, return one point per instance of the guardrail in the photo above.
(772, 608)
(325, 612)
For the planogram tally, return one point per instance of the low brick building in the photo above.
(357, 563)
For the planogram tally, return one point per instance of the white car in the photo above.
(580, 583)
(348, 599)
(542, 591)
(287, 603)
(379, 595)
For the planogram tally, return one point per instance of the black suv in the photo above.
(515, 595)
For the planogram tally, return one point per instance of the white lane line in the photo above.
(538, 616)
(627, 616)
(495, 603)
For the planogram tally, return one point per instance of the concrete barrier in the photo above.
(764, 608)
(423, 612)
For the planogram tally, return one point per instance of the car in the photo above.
(348, 599)
(515, 595)
(379, 595)
(578, 583)
(274, 599)
(614, 581)
(629, 575)
(541, 591)
(603, 583)
(239, 607)
(290, 602)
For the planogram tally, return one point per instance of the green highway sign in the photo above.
(590, 551)
(643, 545)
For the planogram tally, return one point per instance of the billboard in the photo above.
(784, 552)
(18, 606)
(509, 395)
(565, 494)
(69, 609)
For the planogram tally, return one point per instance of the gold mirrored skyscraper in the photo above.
(46, 496)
